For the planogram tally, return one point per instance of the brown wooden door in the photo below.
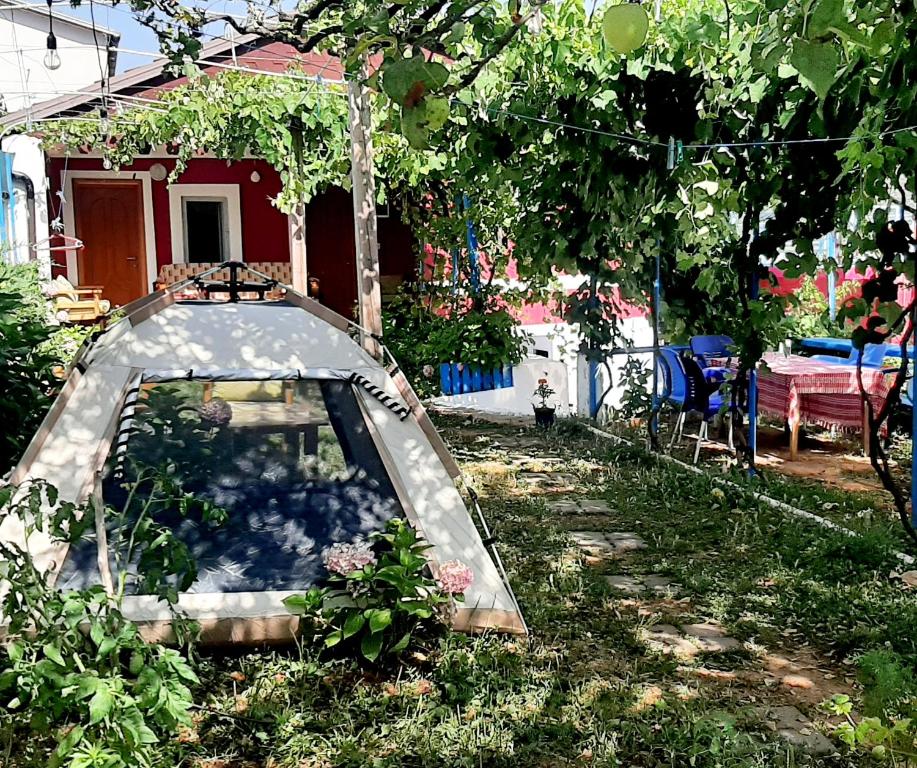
(109, 220)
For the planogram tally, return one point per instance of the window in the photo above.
(292, 463)
(206, 223)
(206, 238)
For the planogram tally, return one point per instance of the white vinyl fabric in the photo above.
(72, 451)
(231, 337)
(440, 510)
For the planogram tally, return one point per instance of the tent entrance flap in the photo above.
(292, 464)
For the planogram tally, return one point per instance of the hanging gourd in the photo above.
(625, 27)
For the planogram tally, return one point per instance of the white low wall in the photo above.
(517, 399)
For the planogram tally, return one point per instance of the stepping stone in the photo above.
(548, 479)
(593, 543)
(638, 585)
(657, 583)
(689, 639)
(796, 729)
(627, 584)
(625, 542)
(711, 637)
(607, 544)
(580, 506)
(666, 638)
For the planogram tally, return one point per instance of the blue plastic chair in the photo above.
(674, 386)
(873, 356)
(699, 400)
(705, 347)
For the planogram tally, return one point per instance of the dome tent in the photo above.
(341, 407)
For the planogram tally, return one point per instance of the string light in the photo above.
(52, 58)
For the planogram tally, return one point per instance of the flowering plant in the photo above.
(543, 392)
(344, 559)
(217, 412)
(381, 596)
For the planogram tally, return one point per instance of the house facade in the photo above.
(135, 222)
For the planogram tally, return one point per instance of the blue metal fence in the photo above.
(459, 379)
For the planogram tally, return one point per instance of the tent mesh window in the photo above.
(293, 465)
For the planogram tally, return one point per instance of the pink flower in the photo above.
(428, 371)
(454, 577)
(216, 412)
(343, 558)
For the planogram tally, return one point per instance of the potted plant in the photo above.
(544, 413)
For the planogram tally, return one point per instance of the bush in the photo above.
(381, 597)
(75, 674)
(29, 350)
(422, 331)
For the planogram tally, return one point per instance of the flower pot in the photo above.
(544, 417)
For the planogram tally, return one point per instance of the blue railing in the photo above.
(458, 379)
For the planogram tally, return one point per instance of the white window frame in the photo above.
(232, 226)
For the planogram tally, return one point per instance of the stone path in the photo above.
(650, 583)
(687, 641)
(796, 729)
(553, 480)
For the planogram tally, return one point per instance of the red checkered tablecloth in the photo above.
(802, 390)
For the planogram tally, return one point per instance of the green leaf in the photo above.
(354, 624)
(100, 705)
(15, 651)
(816, 64)
(65, 747)
(825, 15)
(403, 643)
(406, 81)
(53, 652)
(379, 619)
(333, 639)
(371, 646)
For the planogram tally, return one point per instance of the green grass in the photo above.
(583, 690)
(571, 694)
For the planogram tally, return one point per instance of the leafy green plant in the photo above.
(30, 348)
(870, 734)
(75, 671)
(422, 331)
(380, 598)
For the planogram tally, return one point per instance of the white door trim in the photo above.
(149, 229)
(234, 211)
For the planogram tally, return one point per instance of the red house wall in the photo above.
(265, 233)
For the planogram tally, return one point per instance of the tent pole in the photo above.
(913, 364)
(753, 387)
(832, 278)
(657, 306)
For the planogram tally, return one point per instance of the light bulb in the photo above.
(52, 59)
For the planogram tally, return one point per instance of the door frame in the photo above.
(149, 229)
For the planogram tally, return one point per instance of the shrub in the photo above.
(75, 673)
(29, 350)
(381, 596)
(422, 331)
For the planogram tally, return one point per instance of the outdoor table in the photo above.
(841, 347)
(799, 389)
